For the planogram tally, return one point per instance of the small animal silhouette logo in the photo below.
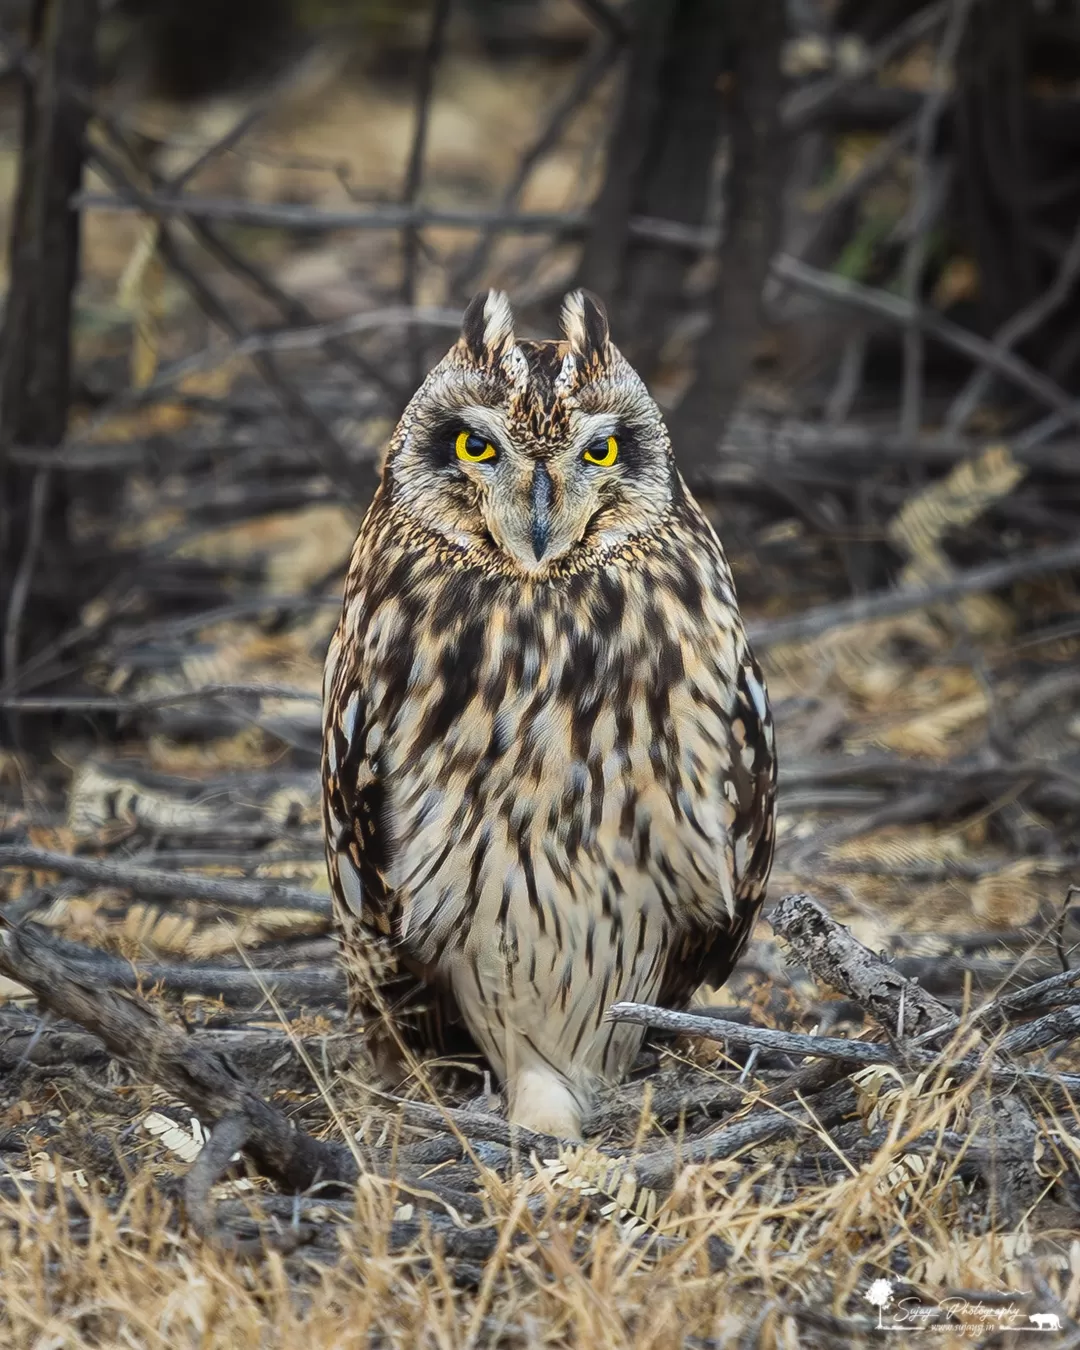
(1045, 1321)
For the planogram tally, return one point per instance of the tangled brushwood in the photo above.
(247, 1103)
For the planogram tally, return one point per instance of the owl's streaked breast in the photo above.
(555, 760)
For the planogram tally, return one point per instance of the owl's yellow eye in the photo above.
(603, 452)
(473, 449)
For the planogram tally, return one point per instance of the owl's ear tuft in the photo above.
(487, 328)
(585, 327)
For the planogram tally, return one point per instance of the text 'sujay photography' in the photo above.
(539, 674)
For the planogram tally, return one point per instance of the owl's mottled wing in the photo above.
(354, 817)
(750, 784)
(382, 978)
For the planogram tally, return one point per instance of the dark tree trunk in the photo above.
(698, 69)
(661, 162)
(38, 593)
(1015, 148)
(754, 188)
(994, 156)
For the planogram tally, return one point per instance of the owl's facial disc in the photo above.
(534, 454)
(539, 503)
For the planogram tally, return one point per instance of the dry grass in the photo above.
(115, 1266)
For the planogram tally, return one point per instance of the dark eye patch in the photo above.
(631, 455)
(438, 441)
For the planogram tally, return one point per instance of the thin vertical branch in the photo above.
(928, 193)
(752, 223)
(24, 575)
(414, 172)
(35, 345)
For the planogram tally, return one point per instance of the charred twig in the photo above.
(472, 1125)
(1043, 994)
(658, 1167)
(202, 1078)
(668, 1104)
(829, 950)
(949, 975)
(1005, 1125)
(233, 985)
(258, 1053)
(1063, 1025)
(228, 1137)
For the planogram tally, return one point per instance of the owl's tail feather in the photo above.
(542, 1101)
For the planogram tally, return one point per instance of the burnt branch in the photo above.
(828, 950)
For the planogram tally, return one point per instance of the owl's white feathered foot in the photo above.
(542, 1101)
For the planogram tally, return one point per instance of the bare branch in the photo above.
(807, 104)
(895, 309)
(291, 216)
(145, 881)
(1020, 326)
(887, 604)
(787, 1042)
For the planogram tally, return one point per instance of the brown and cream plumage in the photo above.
(548, 754)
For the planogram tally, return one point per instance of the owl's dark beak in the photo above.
(542, 494)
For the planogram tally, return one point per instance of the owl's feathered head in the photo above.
(533, 458)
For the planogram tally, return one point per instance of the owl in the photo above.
(548, 759)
